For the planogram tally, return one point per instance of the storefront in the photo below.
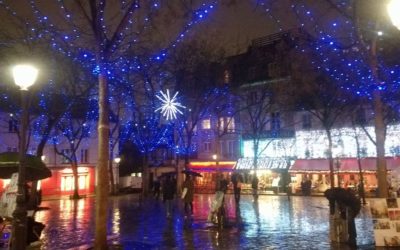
(209, 170)
(271, 173)
(62, 181)
(346, 173)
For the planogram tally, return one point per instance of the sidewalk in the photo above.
(272, 223)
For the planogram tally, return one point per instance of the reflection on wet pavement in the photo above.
(273, 222)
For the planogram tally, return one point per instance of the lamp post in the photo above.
(24, 77)
(393, 10)
(117, 160)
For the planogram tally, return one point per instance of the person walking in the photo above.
(217, 211)
(168, 194)
(156, 188)
(237, 186)
(187, 194)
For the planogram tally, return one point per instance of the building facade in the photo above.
(61, 183)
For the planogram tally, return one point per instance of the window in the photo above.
(206, 124)
(231, 145)
(221, 148)
(221, 124)
(207, 146)
(275, 121)
(227, 124)
(361, 118)
(84, 155)
(12, 125)
(65, 153)
(306, 121)
(231, 124)
(67, 182)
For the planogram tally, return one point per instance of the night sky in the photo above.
(233, 27)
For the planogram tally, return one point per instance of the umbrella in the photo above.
(190, 172)
(35, 168)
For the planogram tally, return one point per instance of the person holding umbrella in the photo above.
(187, 194)
(168, 189)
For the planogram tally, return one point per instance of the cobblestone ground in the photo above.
(272, 223)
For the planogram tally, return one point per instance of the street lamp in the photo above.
(24, 76)
(393, 9)
(214, 157)
(115, 175)
(117, 160)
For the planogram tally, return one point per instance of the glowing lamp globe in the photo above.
(393, 9)
(24, 75)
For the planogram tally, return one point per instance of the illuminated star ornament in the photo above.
(169, 106)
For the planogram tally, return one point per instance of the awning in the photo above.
(271, 163)
(211, 166)
(344, 165)
(367, 164)
(309, 165)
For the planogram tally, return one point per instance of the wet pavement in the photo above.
(273, 222)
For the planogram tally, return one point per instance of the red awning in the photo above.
(310, 165)
(346, 165)
(367, 164)
(210, 166)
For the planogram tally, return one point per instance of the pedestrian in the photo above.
(156, 188)
(187, 194)
(168, 194)
(217, 211)
(254, 187)
(237, 186)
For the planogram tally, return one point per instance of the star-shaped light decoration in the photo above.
(170, 106)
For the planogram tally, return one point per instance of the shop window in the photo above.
(206, 123)
(67, 182)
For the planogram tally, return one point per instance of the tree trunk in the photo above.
(330, 157)
(145, 177)
(380, 146)
(102, 187)
(74, 167)
(179, 175)
(255, 160)
(380, 128)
